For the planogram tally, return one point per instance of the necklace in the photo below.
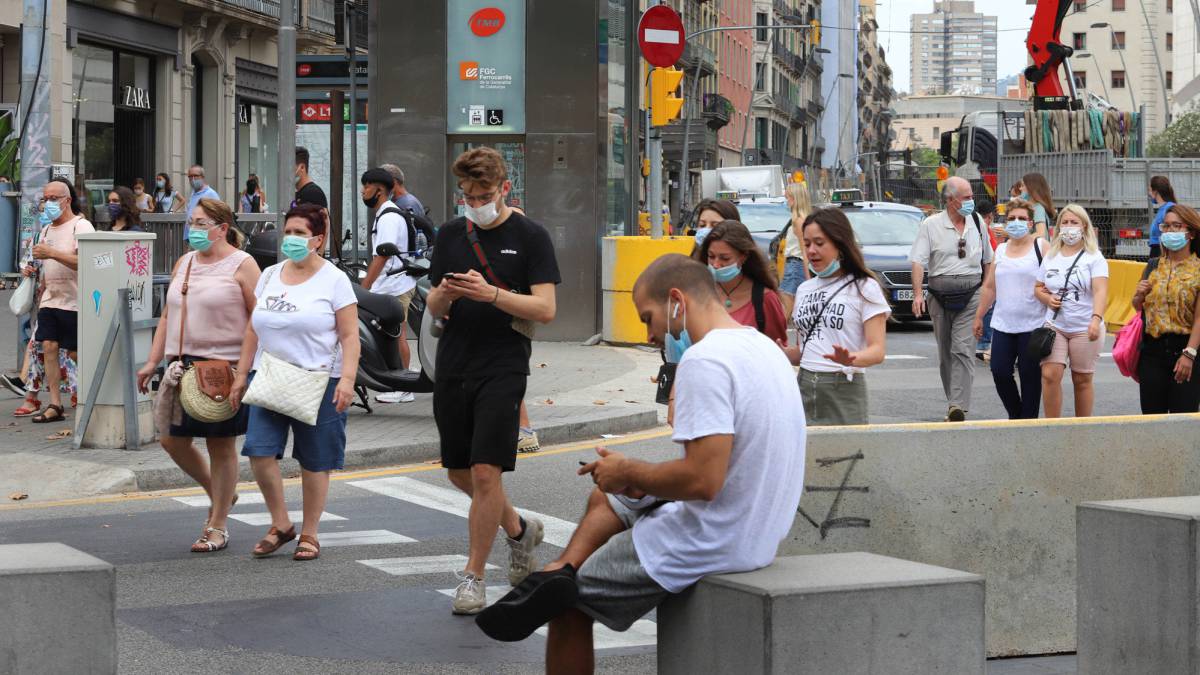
(729, 294)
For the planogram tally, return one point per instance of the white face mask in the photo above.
(482, 215)
(1072, 235)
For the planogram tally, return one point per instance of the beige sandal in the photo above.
(205, 545)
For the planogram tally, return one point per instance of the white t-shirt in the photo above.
(1017, 310)
(1077, 308)
(392, 228)
(297, 323)
(734, 381)
(841, 324)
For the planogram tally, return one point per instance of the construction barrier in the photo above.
(622, 260)
(1123, 278)
(993, 498)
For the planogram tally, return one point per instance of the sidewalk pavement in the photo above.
(575, 393)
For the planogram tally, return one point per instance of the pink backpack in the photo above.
(1128, 346)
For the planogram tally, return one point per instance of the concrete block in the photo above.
(1137, 586)
(57, 611)
(994, 498)
(834, 613)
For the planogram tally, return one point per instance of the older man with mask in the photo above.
(953, 247)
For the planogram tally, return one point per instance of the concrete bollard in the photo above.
(1138, 586)
(832, 613)
(57, 611)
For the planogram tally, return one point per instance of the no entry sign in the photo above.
(660, 36)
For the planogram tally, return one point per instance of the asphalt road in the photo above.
(377, 601)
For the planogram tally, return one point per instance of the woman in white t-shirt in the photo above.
(841, 323)
(306, 314)
(1073, 285)
(1017, 313)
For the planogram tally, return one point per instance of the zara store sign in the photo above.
(136, 97)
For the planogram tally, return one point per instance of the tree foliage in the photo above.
(1180, 139)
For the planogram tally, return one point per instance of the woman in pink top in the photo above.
(744, 280)
(220, 280)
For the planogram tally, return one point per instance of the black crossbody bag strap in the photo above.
(1062, 293)
(756, 299)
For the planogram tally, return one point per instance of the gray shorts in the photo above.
(614, 588)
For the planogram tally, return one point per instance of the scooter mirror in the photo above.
(388, 249)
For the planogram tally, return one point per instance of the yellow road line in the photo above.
(352, 475)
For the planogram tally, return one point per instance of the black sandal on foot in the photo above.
(44, 418)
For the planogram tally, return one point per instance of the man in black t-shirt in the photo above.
(307, 191)
(493, 274)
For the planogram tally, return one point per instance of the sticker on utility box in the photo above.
(102, 261)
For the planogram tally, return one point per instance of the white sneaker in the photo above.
(396, 397)
(527, 440)
(471, 595)
(521, 560)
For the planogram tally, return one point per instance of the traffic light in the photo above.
(664, 104)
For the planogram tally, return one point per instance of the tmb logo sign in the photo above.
(468, 70)
(487, 22)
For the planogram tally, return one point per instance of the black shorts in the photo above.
(58, 325)
(477, 419)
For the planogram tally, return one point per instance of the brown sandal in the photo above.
(44, 418)
(265, 548)
(307, 553)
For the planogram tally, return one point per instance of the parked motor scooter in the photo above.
(379, 322)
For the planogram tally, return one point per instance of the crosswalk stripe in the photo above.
(904, 357)
(362, 538)
(428, 564)
(557, 531)
(265, 518)
(202, 500)
(492, 593)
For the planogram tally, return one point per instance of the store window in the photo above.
(258, 150)
(113, 105)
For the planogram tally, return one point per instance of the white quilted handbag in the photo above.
(287, 389)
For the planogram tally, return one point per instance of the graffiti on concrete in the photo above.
(833, 520)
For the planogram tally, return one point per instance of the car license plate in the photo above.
(904, 294)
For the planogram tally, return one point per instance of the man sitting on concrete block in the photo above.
(655, 529)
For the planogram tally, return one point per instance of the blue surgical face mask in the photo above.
(1174, 241)
(197, 184)
(53, 210)
(114, 212)
(830, 269)
(198, 239)
(1017, 228)
(295, 247)
(160, 183)
(701, 234)
(724, 275)
(44, 219)
(676, 346)
(1025, 196)
(967, 208)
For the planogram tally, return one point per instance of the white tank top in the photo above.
(1016, 309)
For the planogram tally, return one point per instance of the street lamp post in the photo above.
(1120, 52)
(1086, 55)
(686, 183)
(821, 116)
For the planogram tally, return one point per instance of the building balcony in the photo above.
(799, 115)
(695, 56)
(814, 64)
(814, 109)
(783, 12)
(702, 143)
(781, 106)
(717, 110)
(318, 16)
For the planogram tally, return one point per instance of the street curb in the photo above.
(590, 427)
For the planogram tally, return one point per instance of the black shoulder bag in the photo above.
(1041, 341)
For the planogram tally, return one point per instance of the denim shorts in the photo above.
(320, 447)
(793, 275)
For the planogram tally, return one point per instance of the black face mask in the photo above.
(371, 201)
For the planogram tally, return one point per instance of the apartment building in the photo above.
(953, 50)
(787, 100)
(875, 93)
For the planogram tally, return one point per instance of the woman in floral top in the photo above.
(1169, 299)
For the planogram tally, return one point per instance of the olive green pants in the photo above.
(832, 400)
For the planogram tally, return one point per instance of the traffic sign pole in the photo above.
(661, 40)
(654, 149)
